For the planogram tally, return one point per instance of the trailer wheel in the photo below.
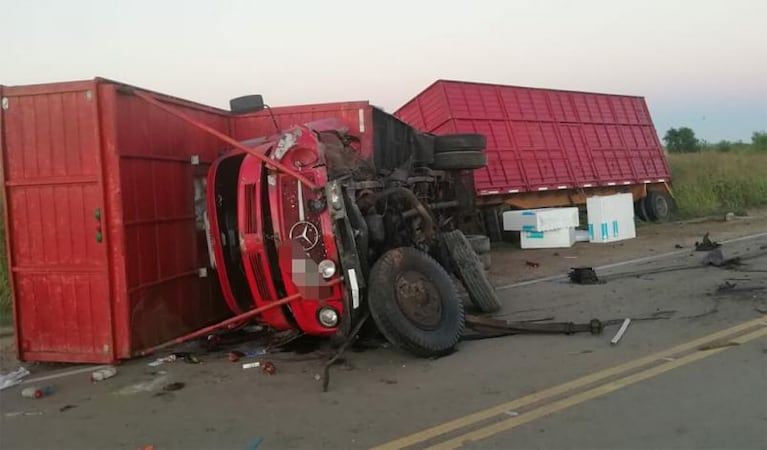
(469, 268)
(459, 160)
(658, 206)
(459, 143)
(640, 210)
(414, 303)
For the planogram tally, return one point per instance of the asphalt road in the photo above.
(695, 376)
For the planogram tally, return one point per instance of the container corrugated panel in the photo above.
(103, 238)
(541, 139)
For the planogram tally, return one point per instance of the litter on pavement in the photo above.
(621, 331)
(13, 378)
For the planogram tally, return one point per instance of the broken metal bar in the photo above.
(502, 327)
(226, 323)
(223, 137)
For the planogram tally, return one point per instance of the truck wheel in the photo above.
(640, 210)
(459, 160)
(459, 143)
(468, 267)
(479, 243)
(414, 303)
(658, 206)
(492, 222)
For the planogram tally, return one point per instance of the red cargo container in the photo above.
(543, 140)
(105, 243)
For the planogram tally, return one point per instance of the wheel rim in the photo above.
(661, 207)
(418, 299)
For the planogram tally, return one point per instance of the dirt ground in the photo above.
(509, 262)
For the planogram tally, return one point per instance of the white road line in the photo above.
(623, 263)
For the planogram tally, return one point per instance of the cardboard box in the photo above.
(611, 218)
(544, 219)
(559, 238)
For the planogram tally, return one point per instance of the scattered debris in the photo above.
(489, 328)
(251, 365)
(511, 413)
(160, 361)
(238, 355)
(191, 359)
(175, 386)
(67, 408)
(726, 286)
(268, 368)
(706, 245)
(533, 264)
(716, 258)
(729, 216)
(388, 381)
(584, 275)
(715, 345)
(103, 374)
(37, 391)
(254, 445)
(668, 358)
(678, 246)
(621, 331)
(13, 378)
(23, 413)
(351, 338)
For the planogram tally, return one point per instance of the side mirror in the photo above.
(246, 104)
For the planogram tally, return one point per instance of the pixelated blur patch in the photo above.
(305, 272)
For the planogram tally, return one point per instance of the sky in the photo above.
(701, 64)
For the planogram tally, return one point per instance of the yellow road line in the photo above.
(590, 394)
(535, 397)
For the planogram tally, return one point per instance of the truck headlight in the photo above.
(328, 317)
(327, 268)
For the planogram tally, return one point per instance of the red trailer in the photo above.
(104, 202)
(549, 147)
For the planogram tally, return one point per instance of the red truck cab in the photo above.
(272, 236)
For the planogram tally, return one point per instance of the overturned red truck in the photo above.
(133, 217)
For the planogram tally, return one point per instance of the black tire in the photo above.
(658, 206)
(479, 243)
(492, 221)
(398, 279)
(640, 210)
(468, 267)
(459, 160)
(459, 143)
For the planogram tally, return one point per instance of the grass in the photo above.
(709, 183)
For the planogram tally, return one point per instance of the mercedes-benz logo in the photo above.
(305, 233)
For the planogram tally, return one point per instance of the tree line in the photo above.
(683, 140)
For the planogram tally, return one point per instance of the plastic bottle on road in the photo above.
(37, 391)
(103, 374)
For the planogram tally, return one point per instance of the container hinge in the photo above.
(88, 95)
(6, 103)
(195, 160)
(202, 272)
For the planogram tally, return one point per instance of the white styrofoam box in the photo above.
(543, 219)
(611, 218)
(582, 236)
(559, 238)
